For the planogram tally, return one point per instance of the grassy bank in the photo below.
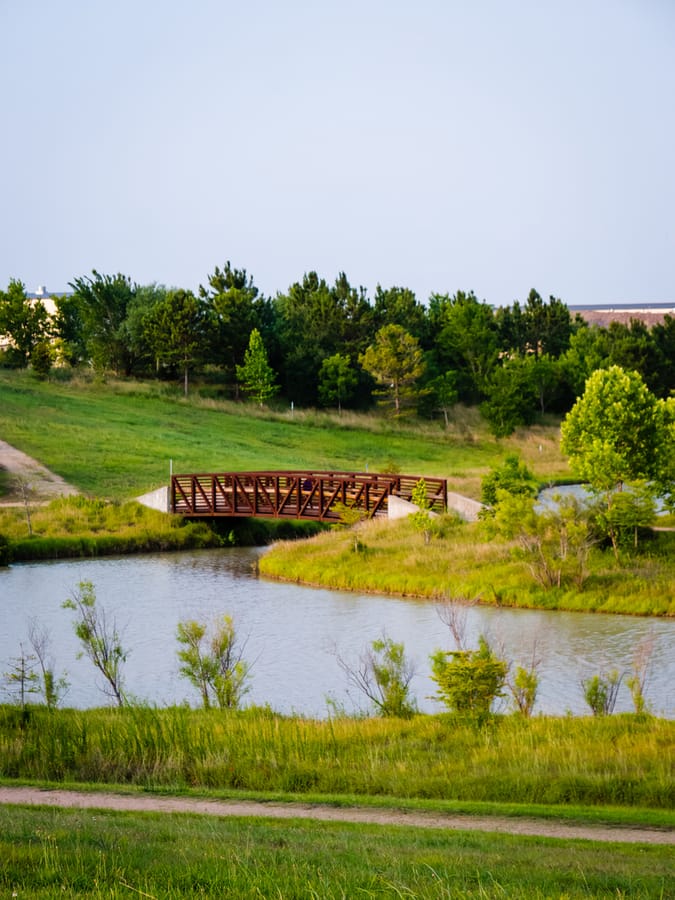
(392, 558)
(81, 527)
(49, 853)
(116, 440)
(617, 760)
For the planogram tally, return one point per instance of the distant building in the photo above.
(604, 314)
(43, 296)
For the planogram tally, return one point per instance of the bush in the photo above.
(469, 681)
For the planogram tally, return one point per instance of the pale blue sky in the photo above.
(439, 145)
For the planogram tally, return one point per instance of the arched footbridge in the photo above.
(321, 496)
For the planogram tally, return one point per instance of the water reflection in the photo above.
(292, 633)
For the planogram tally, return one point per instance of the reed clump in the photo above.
(623, 760)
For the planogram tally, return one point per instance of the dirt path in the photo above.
(41, 484)
(315, 812)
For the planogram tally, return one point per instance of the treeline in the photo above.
(322, 345)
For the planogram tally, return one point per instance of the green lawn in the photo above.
(118, 440)
(72, 853)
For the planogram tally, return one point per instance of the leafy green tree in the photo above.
(24, 321)
(69, 330)
(396, 362)
(256, 375)
(469, 681)
(175, 329)
(466, 341)
(103, 302)
(554, 543)
(314, 322)
(384, 675)
(511, 397)
(663, 335)
(444, 393)
(140, 309)
(399, 306)
(337, 380)
(213, 663)
(588, 351)
(619, 433)
(510, 477)
(41, 359)
(101, 642)
(237, 308)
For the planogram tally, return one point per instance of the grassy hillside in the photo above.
(116, 440)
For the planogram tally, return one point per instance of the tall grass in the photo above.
(625, 760)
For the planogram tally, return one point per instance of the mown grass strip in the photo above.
(77, 853)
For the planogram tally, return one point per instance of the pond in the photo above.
(293, 634)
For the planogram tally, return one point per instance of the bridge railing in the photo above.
(299, 494)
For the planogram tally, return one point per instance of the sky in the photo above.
(437, 145)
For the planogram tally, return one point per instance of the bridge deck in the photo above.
(295, 494)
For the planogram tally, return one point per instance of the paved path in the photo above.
(360, 815)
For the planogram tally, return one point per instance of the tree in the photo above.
(399, 306)
(22, 678)
(555, 543)
(214, 665)
(26, 323)
(103, 302)
(236, 308)
(619, 433)
(511, 397)
(175, 329)
(512, 477)
(337, 380)
(101, 642)
(256, 375)
(469, 681)
(396, 362)
(467, 341)
(51, 687)
(384, 675)
(421, 518)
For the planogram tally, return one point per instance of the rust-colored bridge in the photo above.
(296, 495)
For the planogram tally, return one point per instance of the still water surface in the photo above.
(293, 633)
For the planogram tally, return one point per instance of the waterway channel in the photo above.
(293, 634)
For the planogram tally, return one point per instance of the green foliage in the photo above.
(601, 691)
(25, 322)
(101, 642)
(214, 665)
(384, 674)
(41, 358)
(396, 362)
(554, 543)
(103, 302)
(469, 681)
(524, 687)
(175, 329)
(256, 375)
(22, 679)
(337, 381)
(618, 432)
(421, 518)
(511, 477)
